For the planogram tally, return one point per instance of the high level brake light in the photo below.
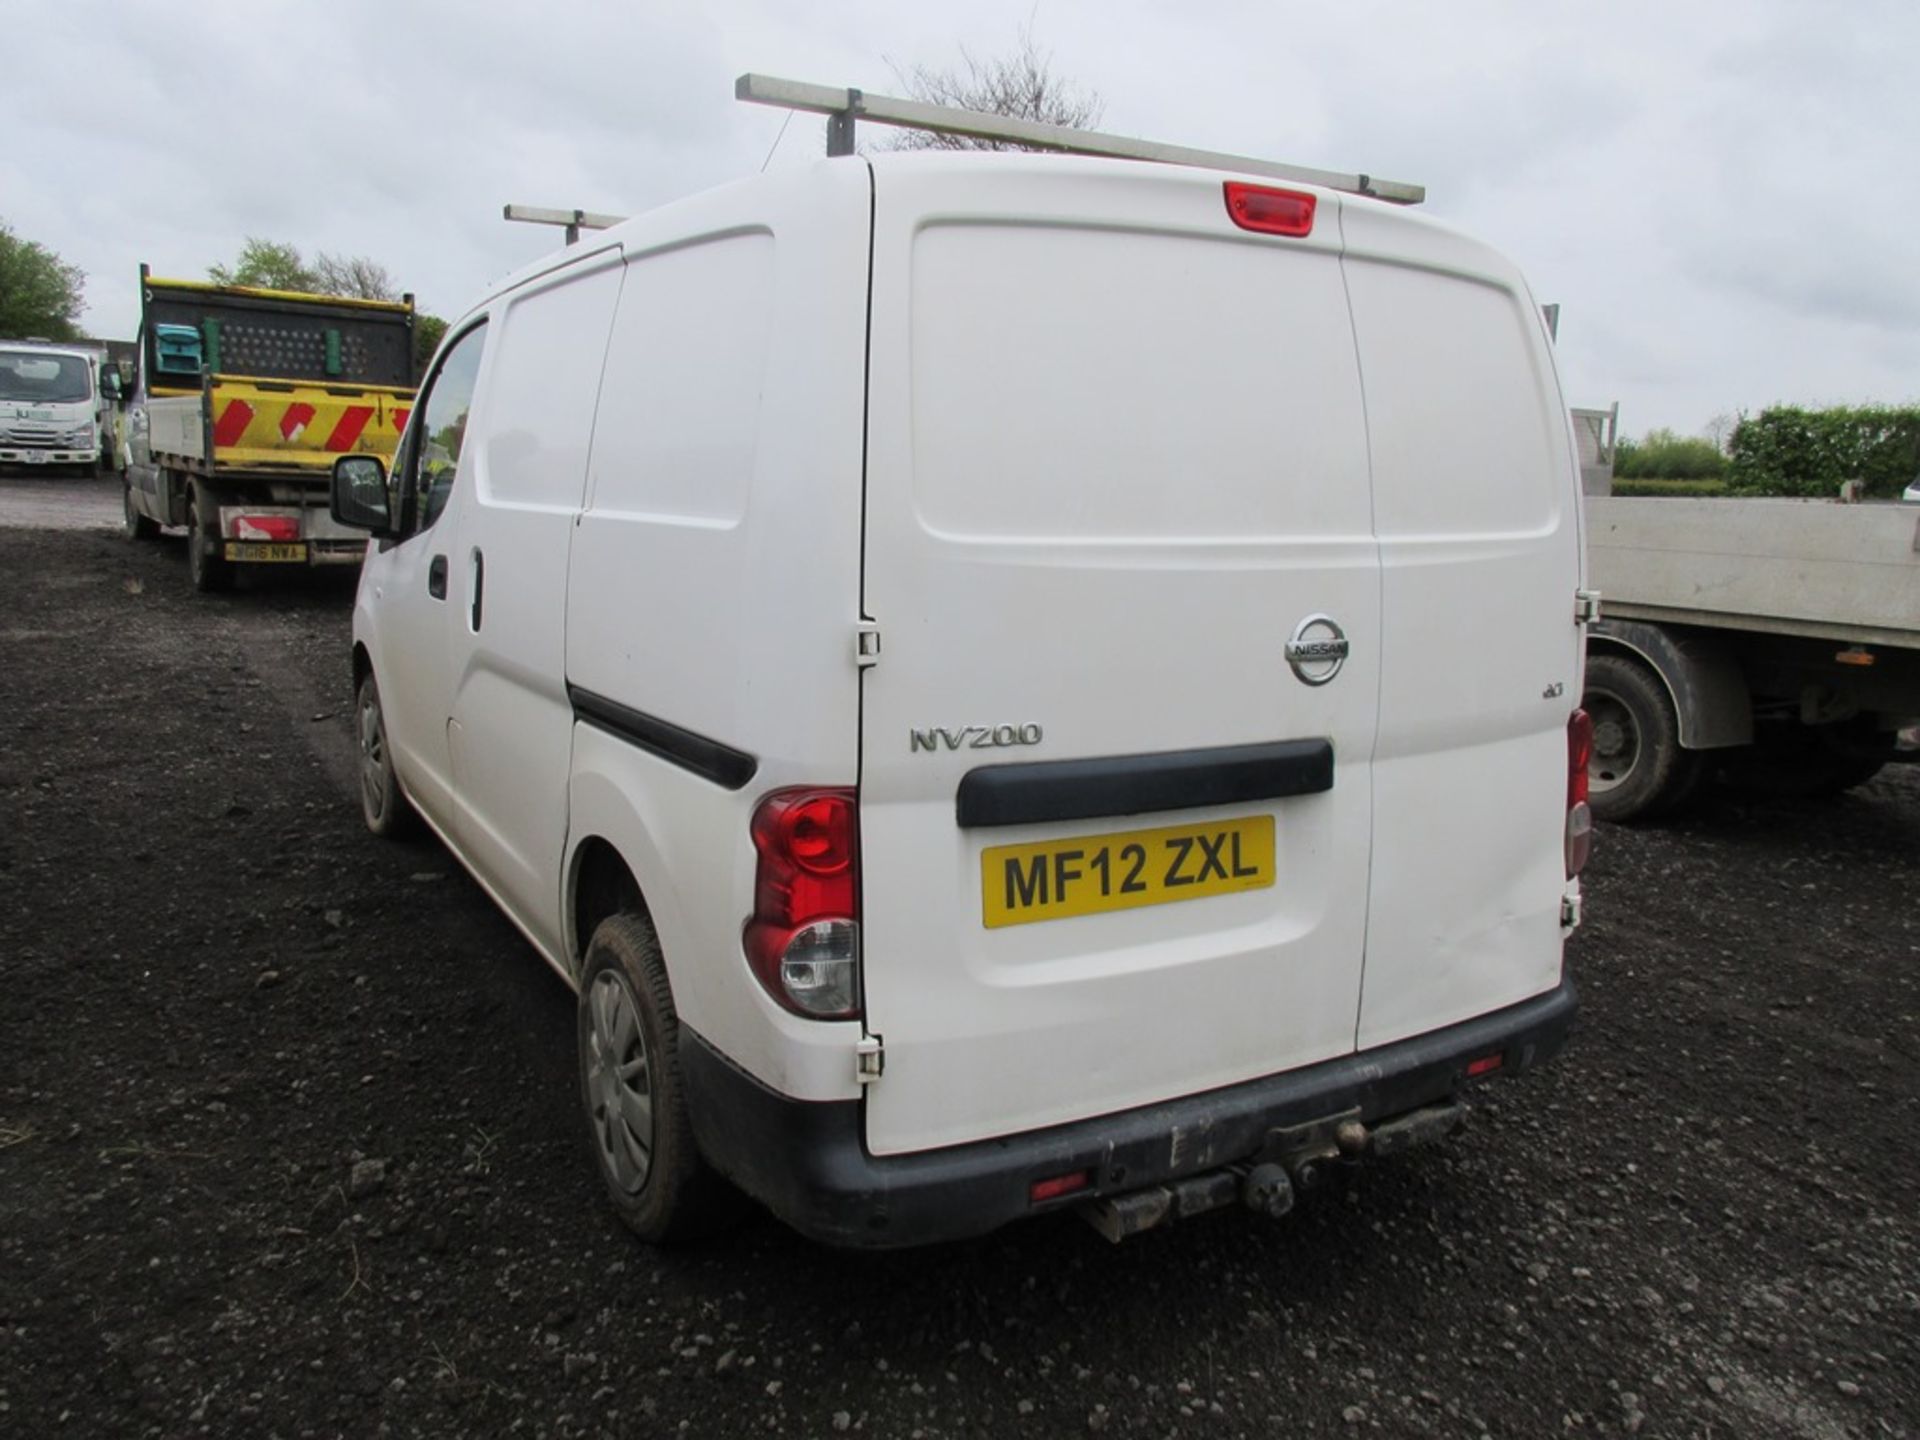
(1579, 814)
(803, 941)
(1270, 211)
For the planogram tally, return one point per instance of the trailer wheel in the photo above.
(632, 1093)
(136, 525)
(210, 571)
(1639, 768)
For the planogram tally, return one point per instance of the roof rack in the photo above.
(573, 221)
(843, 107)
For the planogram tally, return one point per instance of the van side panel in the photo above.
(1476, 502)
(714, 582)
(1117, 454)
(508, 551)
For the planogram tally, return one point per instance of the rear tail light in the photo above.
(1579, 815)
(1270, 211)
(803, 941)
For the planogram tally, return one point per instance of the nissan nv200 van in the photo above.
(1005, 682)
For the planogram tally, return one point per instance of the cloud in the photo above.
(1713, 192)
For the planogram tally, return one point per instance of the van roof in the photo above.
(960, 163)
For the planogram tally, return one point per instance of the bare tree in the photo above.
(1021, 83)
(1720, 430)
(353, 275)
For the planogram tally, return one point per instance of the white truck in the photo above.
(53, 409)
(1774, 641)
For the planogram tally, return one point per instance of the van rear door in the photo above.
(1476, 502)
(1116, 457)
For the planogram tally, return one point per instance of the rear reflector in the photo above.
(1270, 211)
(1058, 1185)
(280, 528)
(1486, 1064)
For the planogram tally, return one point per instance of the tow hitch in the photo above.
(1294, 1159)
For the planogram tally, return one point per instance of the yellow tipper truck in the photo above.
(242, 401)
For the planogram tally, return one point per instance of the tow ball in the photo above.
(1295, 1158)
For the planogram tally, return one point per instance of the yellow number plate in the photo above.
(262, 550)
(1052, 879)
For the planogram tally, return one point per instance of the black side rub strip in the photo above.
(1136, 784)
(709, 759)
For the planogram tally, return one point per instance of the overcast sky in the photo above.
(1721, 197)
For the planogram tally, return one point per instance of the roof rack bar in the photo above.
(573, 220)
(844, 106)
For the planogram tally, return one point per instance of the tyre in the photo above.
(631, 1090)
(210, 571)
(1639, 768)
(383, 805)
(136, 525)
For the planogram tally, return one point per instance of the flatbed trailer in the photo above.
(1776, 639)
(243, 399)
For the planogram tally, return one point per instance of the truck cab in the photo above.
(50, 406)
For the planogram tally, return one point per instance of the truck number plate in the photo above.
(1052, 879)
(36, 457)
(262, 550)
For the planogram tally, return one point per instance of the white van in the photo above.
(1005, 682)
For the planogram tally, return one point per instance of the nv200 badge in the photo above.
(973, 737)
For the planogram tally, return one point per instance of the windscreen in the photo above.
(37, 377)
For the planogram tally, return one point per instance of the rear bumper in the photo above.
(806, 1161)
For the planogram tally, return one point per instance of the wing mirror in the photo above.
(359, 497)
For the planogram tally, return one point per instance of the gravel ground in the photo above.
(33, 499)
(288, 1141)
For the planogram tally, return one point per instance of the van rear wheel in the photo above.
(1639, 768)
(210, 571)
(631, 1090)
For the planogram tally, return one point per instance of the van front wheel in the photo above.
(136, 525)
(1638, 768)
(631, 1088)
(383, 805)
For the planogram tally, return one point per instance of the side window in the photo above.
(440, 428)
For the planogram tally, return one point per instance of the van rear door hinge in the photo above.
(870, 1059)
(866, 644)
(1586, 607)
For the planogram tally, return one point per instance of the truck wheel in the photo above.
(1639, 768)
(210, 571)
(383, 805)
(631, 1089)
(136, 525)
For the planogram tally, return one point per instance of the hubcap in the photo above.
(373, 755)
(619, 1082)
(1616, 742)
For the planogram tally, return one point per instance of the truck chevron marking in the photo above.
(299, 415)
(352, 421)
(232, 423)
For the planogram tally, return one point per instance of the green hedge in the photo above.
(1785, 450)
(1668, 487)
(1663, 455)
